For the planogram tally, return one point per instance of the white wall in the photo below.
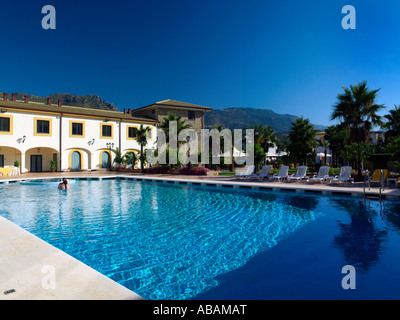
(91, 144)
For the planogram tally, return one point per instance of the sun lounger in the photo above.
(300, 174)
(323, 173)
(282, 174)
(376, 178)
(244, 173)
(344, 175)
(264, 173)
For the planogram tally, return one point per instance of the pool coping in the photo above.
(32, 269)
(318, 188)
(24, 256)
(275, 186)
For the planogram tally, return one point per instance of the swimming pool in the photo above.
(179, 241)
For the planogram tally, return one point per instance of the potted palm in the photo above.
(141, 136)
(118, 159)
(53, 166)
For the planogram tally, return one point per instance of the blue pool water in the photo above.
(177, 241)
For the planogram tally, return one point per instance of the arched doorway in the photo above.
(105, 160)
(76, 160)
(135, 158)
(39, 159)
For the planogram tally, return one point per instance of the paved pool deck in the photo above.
(29, 267)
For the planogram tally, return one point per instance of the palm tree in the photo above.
(119, 158)
(141, 138)
(393, 123)
(325, 144)
(165, 124)
(264, 135)
(356, 107)
(301, 140)
(338, 137)
(131, 159)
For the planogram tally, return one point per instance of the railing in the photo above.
(365, 181)
(381, 182)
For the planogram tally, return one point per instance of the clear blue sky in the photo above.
(288, 56)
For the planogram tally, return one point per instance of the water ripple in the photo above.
(162, 241)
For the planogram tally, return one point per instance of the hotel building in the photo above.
(77, 138)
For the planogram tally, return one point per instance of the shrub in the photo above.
(334, 171)
(53, 166)
(156, 170)
(194, 171)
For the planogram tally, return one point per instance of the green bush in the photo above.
(334, 171)
(53, 166)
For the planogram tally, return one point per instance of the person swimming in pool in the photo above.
(64, 184)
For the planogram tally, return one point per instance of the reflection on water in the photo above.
(360, 240)
(169, 241)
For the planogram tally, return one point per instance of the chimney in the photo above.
(129, 111)
(14, 97)
(124, 110)
(59, 103)
(5, 95)
(26, 99)
(49, 101)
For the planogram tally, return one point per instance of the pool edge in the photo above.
(32, 269)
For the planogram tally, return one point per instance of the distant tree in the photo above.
(264, 135)
(302, 140)
(259, 154)
(338, 137)
(392, 124)
(324, 143)
(393, 148)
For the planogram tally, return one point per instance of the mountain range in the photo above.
(88, 101)
(239, 118)
(232, 118)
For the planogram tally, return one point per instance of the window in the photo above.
(191, 115)
(149, 134)
(132, 131)
(106, 131)
(77, 129)
(1, 160)
(6, 125)
(42, 127)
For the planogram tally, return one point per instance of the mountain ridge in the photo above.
(232, 118)
(90, 101)
(239, 118)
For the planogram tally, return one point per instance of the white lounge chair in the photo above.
(299, 175)
(282, 174)
(323, 174)
(244, 173)
(344, 175)
(264, 173)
